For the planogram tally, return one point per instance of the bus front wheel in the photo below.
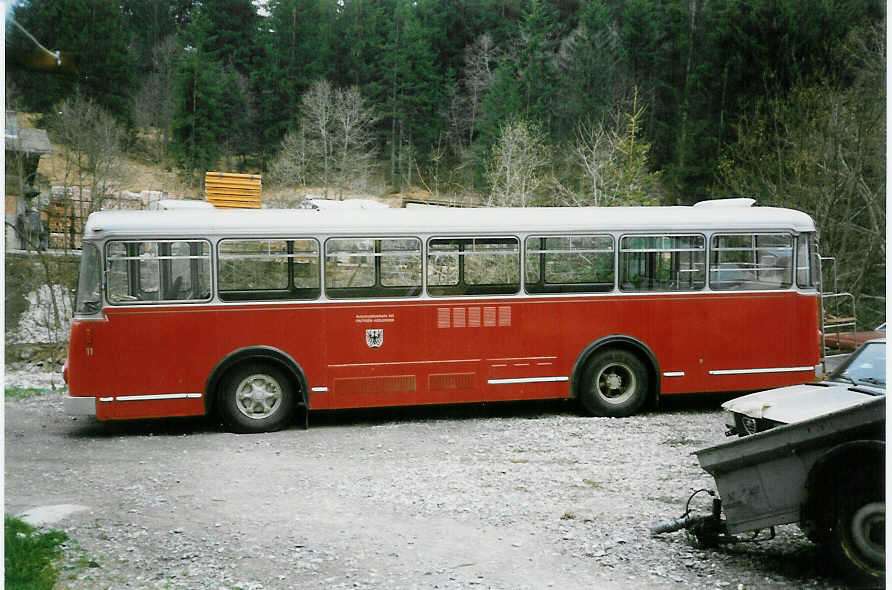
(614, 383)
(257, 398)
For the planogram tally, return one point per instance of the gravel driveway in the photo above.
(501, 496)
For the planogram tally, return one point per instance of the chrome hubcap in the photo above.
(615, 383)
(258, 396)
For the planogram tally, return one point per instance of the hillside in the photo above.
(134, 175)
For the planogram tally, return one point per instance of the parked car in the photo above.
(826, 473)
(852, 340)
(860, 378)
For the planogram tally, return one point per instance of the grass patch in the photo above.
(30, 555)
(25, 392)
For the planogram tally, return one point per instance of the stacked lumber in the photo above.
(228, 190)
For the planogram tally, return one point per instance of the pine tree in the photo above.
(199, 123)
(226, 31)
(295, 49)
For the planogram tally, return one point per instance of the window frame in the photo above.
(135, 279)
(813, 261)
(378, 290)
(91, 268)
(753, 285)
(463, 288)
(620, 275)
(290, 292)
(576, 287)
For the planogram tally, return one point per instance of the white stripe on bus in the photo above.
(764, 370)
(527, 380)
(152, 397)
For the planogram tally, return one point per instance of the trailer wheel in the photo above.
(857, 540)
(614, 383)
(257, 397)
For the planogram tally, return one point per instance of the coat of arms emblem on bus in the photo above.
(374, 338)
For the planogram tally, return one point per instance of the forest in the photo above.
(494, 102)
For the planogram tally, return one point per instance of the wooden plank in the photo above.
(231, 190)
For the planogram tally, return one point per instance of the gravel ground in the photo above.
(500, 496)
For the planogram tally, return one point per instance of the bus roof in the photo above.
(453, 221)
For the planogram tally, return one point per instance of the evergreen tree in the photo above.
(416, 93)
(223, 33)
(226, 31)
(149, 23)
(536, 64)
(199, 123)
(419, 92)
(592, 72)
(295, 50)
(524, 83)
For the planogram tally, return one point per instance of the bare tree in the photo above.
(333, 144)
(518, 165)
(291, 165)
(480, 62)
(592, 150)
(93, 141)
(47, 297)
(613, 161)
(354, 142)
(316, 121)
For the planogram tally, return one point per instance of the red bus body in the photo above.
(164, 358)
(158, 351)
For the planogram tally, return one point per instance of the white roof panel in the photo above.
(455, 221)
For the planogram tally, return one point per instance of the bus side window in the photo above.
(158, 271)
(662, 263)
(563, 264)
(751, 262)
(264, 269)
(368, 267)
(118, 276)
(473, 266)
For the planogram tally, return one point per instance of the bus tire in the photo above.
(257, 397)
(857, 535)
(614, 383)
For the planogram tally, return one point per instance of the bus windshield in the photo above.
(89, 282)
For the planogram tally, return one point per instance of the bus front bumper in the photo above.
(80, 406)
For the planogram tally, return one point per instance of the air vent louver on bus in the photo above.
(383, 384)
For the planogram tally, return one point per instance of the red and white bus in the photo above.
(264, 315)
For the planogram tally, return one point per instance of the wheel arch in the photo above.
(624, 342)
(267, 354)
(848, 454)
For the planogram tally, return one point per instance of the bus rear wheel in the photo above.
(257, 398)
(614, 383)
